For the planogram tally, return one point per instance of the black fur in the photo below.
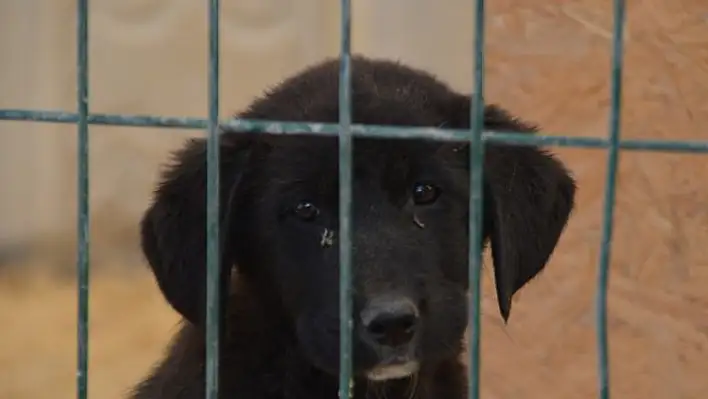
(281, 330)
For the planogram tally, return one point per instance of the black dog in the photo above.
(279, 202)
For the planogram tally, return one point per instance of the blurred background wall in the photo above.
(548, 62)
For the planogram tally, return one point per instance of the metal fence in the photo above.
(345, 130)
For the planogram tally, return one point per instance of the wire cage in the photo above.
(345, 130)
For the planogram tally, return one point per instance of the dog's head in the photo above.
(280, 218)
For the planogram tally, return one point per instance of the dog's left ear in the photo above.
(528, 198)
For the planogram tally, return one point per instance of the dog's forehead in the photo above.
(313, 162)
(368, 155)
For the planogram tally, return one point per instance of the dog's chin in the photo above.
(395, 371)
(328, 363)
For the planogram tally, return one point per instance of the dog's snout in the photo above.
(390, 321)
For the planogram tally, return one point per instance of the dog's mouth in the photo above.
(393, 369)
(319, 344)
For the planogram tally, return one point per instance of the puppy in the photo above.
(279, 218)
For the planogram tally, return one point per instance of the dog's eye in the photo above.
(306, 211)
(424, 194)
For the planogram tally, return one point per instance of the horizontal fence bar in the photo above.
(399, 132)
(104, 119)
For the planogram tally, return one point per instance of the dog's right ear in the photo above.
(173, 229)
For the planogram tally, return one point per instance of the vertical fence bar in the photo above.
(610, 184)
(476, 196)
(212, 211)
(83, 199)
(346, 384)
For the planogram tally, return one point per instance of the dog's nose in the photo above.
(390, 321)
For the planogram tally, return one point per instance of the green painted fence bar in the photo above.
(346, 383)
(609, 206)
(82, 199)
(345, 130)
(213, 260)
(398, 132)
(475, 206)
